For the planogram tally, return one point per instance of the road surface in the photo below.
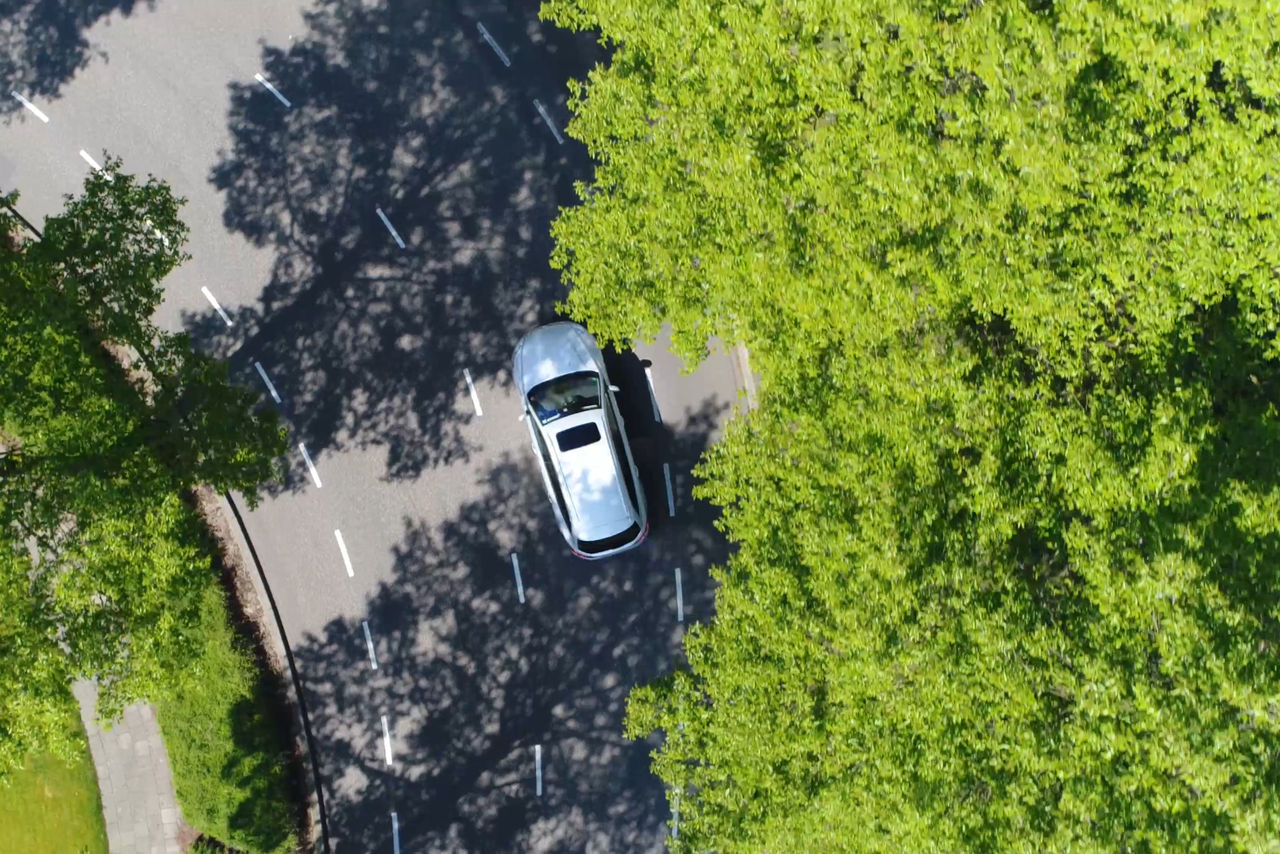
(370, 188)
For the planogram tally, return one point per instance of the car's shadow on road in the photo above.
(472, 681)
(399, 108)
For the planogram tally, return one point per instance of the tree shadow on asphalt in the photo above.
(252, 772)
(401, 108)
(471, 680)
(42, 44)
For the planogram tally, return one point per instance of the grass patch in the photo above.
(52, 805)
(230, 753)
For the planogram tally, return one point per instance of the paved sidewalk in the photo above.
(138, 801)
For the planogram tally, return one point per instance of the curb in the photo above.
(220, 509)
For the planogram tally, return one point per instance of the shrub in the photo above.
(231, 757)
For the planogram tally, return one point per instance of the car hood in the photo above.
(552, 351)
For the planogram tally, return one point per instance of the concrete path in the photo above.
(138, 801)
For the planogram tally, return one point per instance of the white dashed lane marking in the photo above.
(262, 372)
(471, 386)
(151, 226)
(653, 396)
(537, 761)
(679, 597)
(346, 558)
(484, 34)
(311, 467)
(391, 228)
(395, 833)
(515, 567)
(213, 301)
(671, 498)
(542, 111)
(273, 90)
(88, 158)
(386, 739)
(32, 107)
(368, 639)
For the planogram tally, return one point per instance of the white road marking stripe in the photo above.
(216, 306)
(653, 396)
(679, 597)
(315, 475)
(484, 34)
(89, 159)
(386, 739)
(273, 90)
(515, 567)
(346, 558)
(368, 639)
(30, 106)
(395, 822)
(542, 111)
(266, 379)
(391, 228)
(475, 398)
(671, 500)
(537, 760)
(156, 232)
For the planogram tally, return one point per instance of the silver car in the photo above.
(579, 441)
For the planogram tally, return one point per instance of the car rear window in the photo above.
(578, 437)
(592, 547)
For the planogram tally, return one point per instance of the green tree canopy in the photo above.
(101, 561)
(1008, 515)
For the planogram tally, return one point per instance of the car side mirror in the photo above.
(613, 388)
(646, 363)
(523, 415)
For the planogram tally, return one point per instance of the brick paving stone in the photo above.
(138, 801)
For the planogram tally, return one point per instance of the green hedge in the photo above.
(230, 755)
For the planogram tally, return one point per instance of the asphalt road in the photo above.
(403, 111)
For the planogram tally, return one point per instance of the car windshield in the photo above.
(565, 395)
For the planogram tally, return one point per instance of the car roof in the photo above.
(552, 351)
(590, 478)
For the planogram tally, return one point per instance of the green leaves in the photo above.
(101, 560)
(1008, 514)
(111, 248)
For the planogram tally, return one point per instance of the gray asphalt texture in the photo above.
(402, 107)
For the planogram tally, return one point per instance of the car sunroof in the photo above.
(578, 437)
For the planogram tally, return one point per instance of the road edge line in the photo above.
(239, 543)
